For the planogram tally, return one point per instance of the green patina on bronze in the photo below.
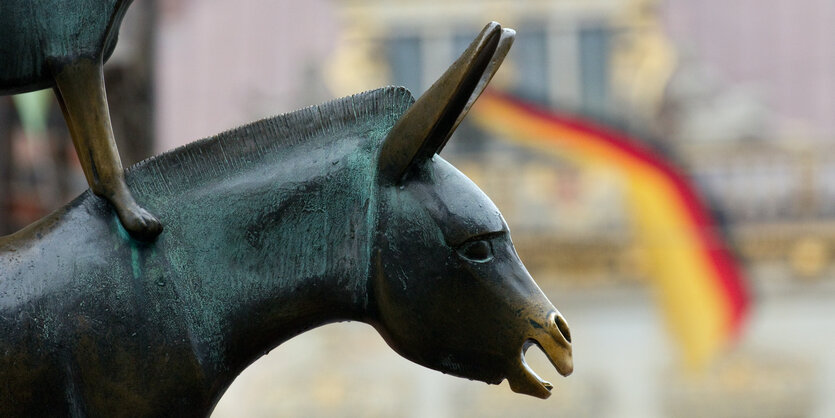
(63, 44)
(336, 212)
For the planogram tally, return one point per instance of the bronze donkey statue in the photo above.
(63, 44)
(332, 213)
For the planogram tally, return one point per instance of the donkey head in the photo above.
(450, 291)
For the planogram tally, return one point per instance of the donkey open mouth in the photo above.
(555, 341)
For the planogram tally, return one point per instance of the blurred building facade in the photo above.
(634, 65)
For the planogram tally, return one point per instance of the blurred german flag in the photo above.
(701, 288)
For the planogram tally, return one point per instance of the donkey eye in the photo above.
(479, 251)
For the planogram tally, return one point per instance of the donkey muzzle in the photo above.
(554, 338)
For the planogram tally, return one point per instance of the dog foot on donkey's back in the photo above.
(139, 223)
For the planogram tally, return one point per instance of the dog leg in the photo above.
(79, 87)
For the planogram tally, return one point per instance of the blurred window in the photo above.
(530, 56)
(406, 60)
(460, 41)
(595, 44)
(825, 186)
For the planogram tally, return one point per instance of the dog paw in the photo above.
(140, 224)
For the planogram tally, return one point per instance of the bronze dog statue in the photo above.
(63, 44)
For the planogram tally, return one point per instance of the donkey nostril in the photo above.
(563, 327)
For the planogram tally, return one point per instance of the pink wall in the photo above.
(785, 48)
(223, 63)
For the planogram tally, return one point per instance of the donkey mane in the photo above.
(236, 149)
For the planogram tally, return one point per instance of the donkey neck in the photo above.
(268, 224)
(272, 251)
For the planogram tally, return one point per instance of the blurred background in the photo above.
(733, 99)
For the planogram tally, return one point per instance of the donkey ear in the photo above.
(426, 126)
